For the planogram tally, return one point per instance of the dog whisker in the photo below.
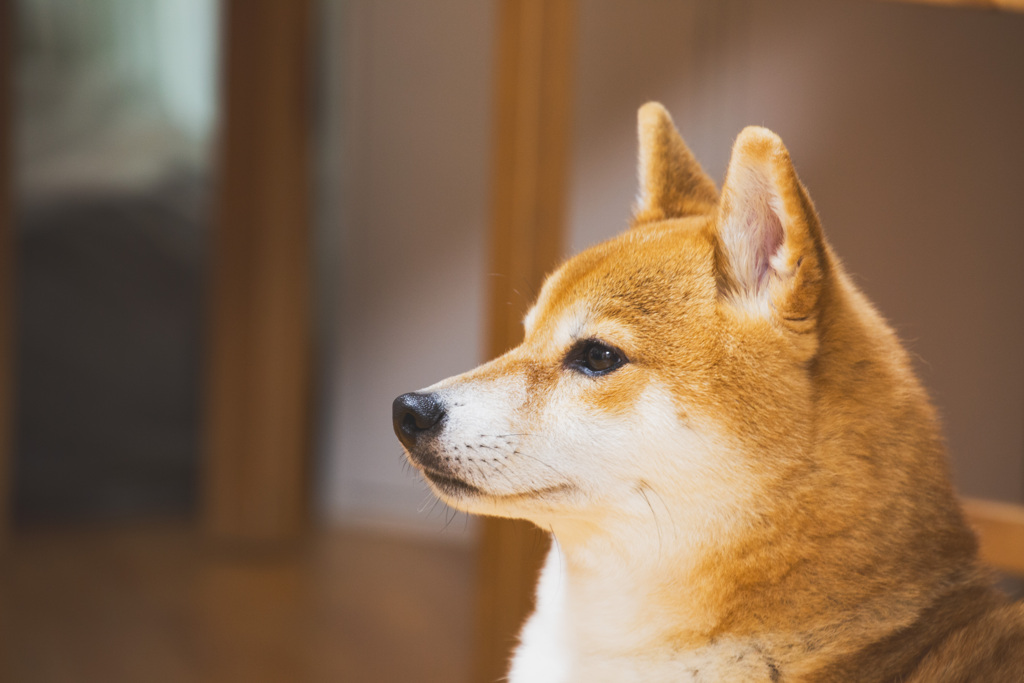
(668, 511)
(516, 435)
(551, 467)
(657, 525)
(501, 472)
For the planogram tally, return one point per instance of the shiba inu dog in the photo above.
(743, 477)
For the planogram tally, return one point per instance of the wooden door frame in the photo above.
(259, 350)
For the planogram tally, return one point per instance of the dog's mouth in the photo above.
(450, 485)
(457, 488)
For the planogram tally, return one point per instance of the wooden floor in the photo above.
(151, 604)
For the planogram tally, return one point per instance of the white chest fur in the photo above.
(558, 645)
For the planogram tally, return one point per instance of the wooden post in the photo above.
(532, 128)
(1000, 529)
(258, 382)
(6, 262)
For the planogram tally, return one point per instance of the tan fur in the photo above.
(761, 491)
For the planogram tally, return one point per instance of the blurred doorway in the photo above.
(114, 110)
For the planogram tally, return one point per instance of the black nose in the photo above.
(415, 414)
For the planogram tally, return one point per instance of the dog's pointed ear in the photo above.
(772, 253)
(672, 183)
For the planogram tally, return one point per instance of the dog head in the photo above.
(678, 370)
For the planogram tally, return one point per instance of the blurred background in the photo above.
(235, 231)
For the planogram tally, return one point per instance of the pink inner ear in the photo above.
(756, 237)
(754, 230)
(768, 235)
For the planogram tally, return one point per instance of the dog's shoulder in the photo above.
(990, 648)
(974, 633)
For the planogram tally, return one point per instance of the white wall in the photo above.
(904, 121)
(414, 200)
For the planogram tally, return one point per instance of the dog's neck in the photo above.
(652, 580)
(639, 584)
(599, 605)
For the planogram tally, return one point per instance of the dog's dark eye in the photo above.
(594, 358)
(601, 358)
